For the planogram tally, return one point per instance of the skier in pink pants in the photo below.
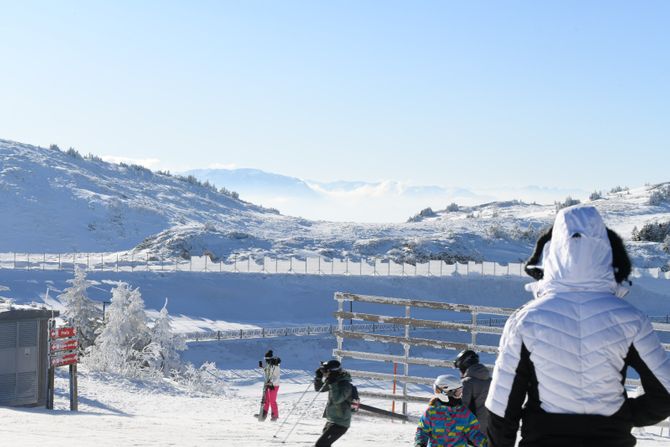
(271, 374)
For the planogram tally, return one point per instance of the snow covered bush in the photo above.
(120, 346)
(203, 380)
(596, 195)
(453, 207)
(660, 196)
(80, 311)
(426, 212)
(652, 232)
(569, 201)
(162, 353)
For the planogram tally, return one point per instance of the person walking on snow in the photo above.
(271, 373)
(447, 422)
(332, 378)
(476, 379)
(565, 354)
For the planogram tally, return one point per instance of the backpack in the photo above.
(355, 400)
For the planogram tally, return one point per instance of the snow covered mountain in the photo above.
(57, 201)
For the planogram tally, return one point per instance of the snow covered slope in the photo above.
(60, 202)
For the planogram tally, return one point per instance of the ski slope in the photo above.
(118, 411)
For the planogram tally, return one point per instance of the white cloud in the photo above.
(150, 163)
(374, 190)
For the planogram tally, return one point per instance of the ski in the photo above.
(260, 415)
(381, 412)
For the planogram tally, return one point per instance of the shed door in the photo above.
(18, 362)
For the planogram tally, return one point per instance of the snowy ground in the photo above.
(116, 411)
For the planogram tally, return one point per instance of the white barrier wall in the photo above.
(311, 266)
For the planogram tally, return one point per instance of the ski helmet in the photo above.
(446, 387)
(466, 359)
(331, 366)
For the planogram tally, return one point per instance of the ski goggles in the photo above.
(455, 393)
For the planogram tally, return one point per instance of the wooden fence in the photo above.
(475, 325)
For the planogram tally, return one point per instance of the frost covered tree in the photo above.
(80, 311)
(163, 351)
(121, 343)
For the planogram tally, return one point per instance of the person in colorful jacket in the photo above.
(446, 422)
(331, 378)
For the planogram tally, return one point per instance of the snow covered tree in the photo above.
(80, 311)
(120, 346)
(163, 351)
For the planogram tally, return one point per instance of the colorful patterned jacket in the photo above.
(446, 426)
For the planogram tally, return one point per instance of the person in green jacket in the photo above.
(332, 378)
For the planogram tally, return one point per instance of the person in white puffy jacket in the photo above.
(563, 356)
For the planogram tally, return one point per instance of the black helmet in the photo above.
(466, 359)
(331, 366)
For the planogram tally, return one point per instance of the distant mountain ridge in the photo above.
(363, 201)
(60, 201)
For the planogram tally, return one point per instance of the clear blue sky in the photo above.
(468, 93)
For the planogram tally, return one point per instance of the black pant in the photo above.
(331, 433)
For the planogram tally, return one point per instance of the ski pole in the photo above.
(304, 413)
(295, 405)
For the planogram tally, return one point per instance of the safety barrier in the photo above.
(318, 265)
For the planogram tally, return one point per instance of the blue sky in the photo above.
(473, 94)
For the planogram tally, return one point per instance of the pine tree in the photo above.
(80, 311)
(163, 351)
(120, 345)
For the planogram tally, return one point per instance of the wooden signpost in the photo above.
(63, 347)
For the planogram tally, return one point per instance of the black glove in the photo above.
(260, 363)
(319, 373)
(271, 386)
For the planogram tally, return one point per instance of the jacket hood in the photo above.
(578, 257)
(478, 371)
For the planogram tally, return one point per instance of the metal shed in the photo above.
(23, 355)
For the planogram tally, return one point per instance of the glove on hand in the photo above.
(319, 373)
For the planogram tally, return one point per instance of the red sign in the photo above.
(64, 345)
(66, 359)
(63, 332)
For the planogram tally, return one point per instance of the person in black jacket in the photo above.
(476, 379)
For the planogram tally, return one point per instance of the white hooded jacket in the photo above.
(567, 351)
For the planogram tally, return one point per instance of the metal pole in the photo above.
(295, 405)
(304, 413)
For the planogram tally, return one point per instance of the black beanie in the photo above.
(269, 355)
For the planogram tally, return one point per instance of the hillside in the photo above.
(55, 201)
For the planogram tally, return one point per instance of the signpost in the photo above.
(63, 347)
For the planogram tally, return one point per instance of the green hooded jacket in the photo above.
(338, 408)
